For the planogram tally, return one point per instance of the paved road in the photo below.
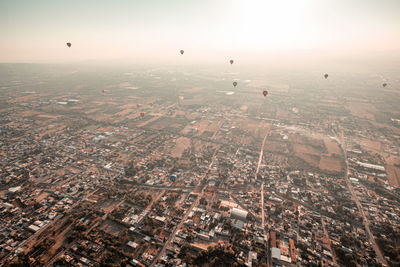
(171, 237)
(330, 241)
(262, 185)
(153, 201)
(371, 237)
(262, 193)
(167, 187)
(57, 255)
(37, 234)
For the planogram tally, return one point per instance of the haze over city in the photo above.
(200, 133)
(208, 30)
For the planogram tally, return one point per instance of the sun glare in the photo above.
(266, 24)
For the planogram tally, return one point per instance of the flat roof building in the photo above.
(239, 214)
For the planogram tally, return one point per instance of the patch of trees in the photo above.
(203, 201)
(138, 199)
(299, 182)
(215, 205)
(61, 262)
(119, 213)
(217, 256)
(130, 169)
(152, 227)
(179, 212)
(171, 198)
(389, 248)
(350, 241)
(345, 258)
(43, 246)
(114, 257)
(75, 234)
(80, 227)
(389, 241)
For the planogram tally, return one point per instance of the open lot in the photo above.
(112, 228)
(332, 147)
(393, 175)
(181, 144)
(330, 164)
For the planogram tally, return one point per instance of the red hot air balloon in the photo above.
(182, 52)
(265, 92)
(231, 61)
(234, 84)
(69, 44)
(142, 114)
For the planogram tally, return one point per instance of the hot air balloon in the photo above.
(234, 84)
(265, 92)
(231, 61)
(326, 75)
(384, 84)
(142, 114)
(69, 44)
(182, 52)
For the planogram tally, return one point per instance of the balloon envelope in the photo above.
(384, 84)
(234, 84)
(69, 44)
(182, 52)
(231, 61)
(326, 75)
(265, 92)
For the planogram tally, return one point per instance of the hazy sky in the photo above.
(37, 30)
